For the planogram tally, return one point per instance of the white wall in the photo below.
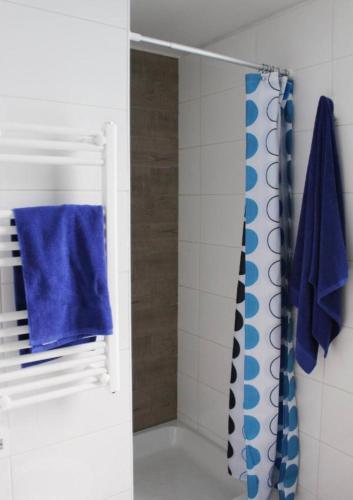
(315, 39)
(66, 62)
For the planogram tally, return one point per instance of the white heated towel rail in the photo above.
(68, 370)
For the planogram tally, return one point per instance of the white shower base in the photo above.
(174, 463)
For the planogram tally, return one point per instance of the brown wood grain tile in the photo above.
(154, 214)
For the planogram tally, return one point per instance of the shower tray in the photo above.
(172, 462)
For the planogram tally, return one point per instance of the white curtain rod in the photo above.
(137, 37)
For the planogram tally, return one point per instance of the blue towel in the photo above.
(320, 268)
(63, 282)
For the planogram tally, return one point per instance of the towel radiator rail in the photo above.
(72, 369)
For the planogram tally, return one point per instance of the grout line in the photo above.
(237, 247)
(71, 439)
(70, 103)
(204, 383)
(200, 337)
(207, 291)
(64, 14)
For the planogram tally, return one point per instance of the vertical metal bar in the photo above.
(111, 207)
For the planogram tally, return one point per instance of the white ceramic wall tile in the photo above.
(347, 298)
(115, 12)
(188, 310)
(290, 39)
(342, 71)
(335, 475)
(348, 204)
(213, 410)
(189, 124)
(318, 372)
(302, 143)
(126, 495)
(109, 468)
(217, 75)
(187, 421)
(74, 77)
(306, 97)
(189, 218)
(219, 440)
(47, 423)
(222, 116)
(218, 269)
(336, 429)
(341, 355)
(189, 170)
(188, 403)
(222, 168)
(309, 400)
(344, 136)
(293, 40)
(50, 177)
(5, 479)
(189, 77)
(71, 115)
(222, 219)
(5, 452)
(214, 360)
(303, 494)
(342, 28)
(309, 463)
(189, 264)
(217, 318)
(188, 354)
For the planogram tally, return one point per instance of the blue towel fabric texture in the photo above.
(320, 267)
(63, 279)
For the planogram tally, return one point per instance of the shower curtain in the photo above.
(263, 444)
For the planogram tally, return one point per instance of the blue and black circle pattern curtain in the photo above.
(263, 447)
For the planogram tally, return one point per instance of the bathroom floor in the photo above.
(171, 470)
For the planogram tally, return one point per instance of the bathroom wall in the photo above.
(67, 63)
(154, 217)
(315, 40)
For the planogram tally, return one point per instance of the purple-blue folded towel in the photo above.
(320, 267)
(64, 276)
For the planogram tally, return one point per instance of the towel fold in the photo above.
(64, 280)
(320, 267)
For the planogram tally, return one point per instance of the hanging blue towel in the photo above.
(320, 268)
(64, 284)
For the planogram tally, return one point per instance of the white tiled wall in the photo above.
(67, 63)
(315, 40)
